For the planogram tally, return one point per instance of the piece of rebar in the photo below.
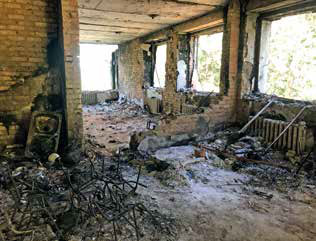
(138, 176)
(135, 223)
(303, 162)
(114, 229)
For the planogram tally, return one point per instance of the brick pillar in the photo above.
(172, 101)
(230, 75)
(72, 92)
(233, 29)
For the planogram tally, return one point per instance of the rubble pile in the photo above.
(89, 201)
(240, 153)
(274, 169)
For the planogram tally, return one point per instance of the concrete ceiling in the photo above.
(118, 21)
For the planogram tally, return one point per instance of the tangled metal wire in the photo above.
(93, 190)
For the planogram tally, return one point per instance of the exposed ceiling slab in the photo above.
(118, 21)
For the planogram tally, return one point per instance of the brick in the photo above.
(24, 29)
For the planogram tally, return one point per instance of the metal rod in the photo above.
(286, 128)
(303, 162)
(256, 116)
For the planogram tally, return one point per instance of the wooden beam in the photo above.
(107, 34)
(213, 19)
(122, 23)
(153, 7)
(205, 2)
(95, 3)
(103, 39)
(208, 21)
(260, 6)
(160, 19)
(105, 28)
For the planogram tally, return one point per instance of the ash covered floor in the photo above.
(109, 126)
(208, 200)
(196, 192)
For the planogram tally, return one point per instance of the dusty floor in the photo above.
(220, 205)
(211, 203)
(108, 127)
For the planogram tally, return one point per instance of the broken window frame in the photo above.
(149, 62)
(115, 70)
(270, 17)
(194, 42)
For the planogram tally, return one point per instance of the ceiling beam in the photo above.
(106, 28)
(122, 23)
(260, 6)
(121, 16)
(213, 19)
(206, 2)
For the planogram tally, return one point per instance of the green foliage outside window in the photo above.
(292, 57)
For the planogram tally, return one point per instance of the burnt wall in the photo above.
(69, 22)
(131, 70)
(28, 35)
(221, 109)
(254, 56)
(39, 65)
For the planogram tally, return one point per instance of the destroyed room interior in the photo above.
(157, 120)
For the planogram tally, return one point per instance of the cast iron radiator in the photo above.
(294, 138)
(89, 98)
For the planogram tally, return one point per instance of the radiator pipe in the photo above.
(255, 117)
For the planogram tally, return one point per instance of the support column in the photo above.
(230, 67)
(172, 101)
(72, 92)
(233, 31)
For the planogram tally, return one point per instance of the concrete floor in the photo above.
(209, 203)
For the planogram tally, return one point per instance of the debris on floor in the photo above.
(211, 187)
(90, 200)
(108, 126)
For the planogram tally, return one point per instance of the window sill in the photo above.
(261, 97)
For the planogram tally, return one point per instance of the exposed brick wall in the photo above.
(222, 111)
(27, 27)
(172, 100)
(25, 30)
(131, 70)
(226, 109)
(9, 135)
(33, 68)
(70, 31)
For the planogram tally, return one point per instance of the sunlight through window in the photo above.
(95, 62)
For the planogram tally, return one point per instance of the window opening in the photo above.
(160, 67)
(207, 64)
(96, 64)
